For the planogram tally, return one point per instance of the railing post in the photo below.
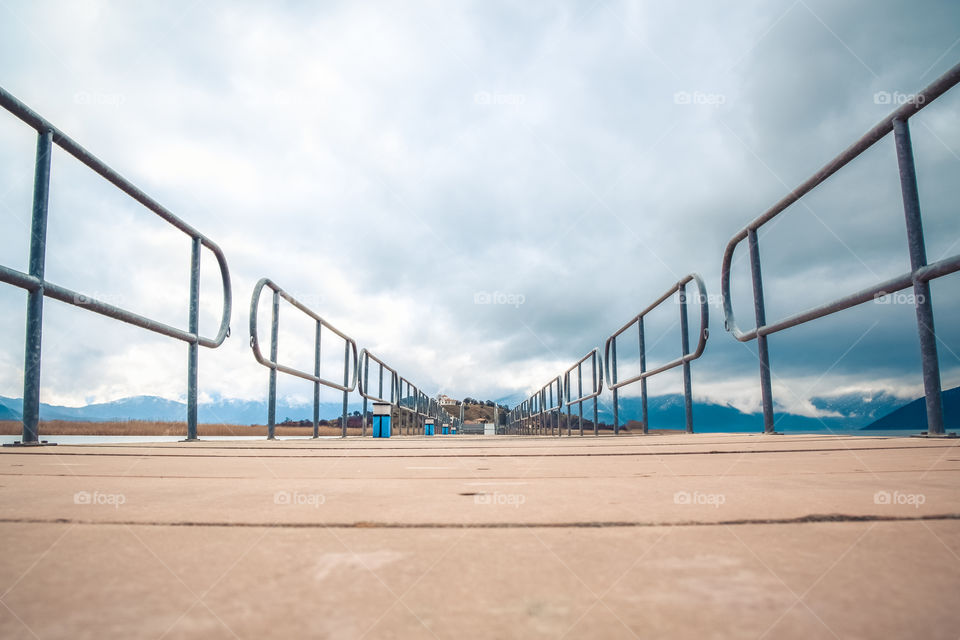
(542, 412)
(346, 379)
(366, 389)
(549, 414)
(38, 251)
(759, 311)
(193, 348)
(542, 422)
(596, 380)
(316, 384)
(616, 394)
(272, 388)
(643, 381)
(569, 408)
(685, 350)
(579, 395)
(921, 289)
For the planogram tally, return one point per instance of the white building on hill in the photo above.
(445, 401)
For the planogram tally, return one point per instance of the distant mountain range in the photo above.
(854, 411)
(6, 413)
(913, 415)
(223, 411)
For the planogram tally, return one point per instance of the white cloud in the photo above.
(342, 151)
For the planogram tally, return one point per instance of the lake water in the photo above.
(892, 433)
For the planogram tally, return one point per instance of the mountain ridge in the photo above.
(880, 411)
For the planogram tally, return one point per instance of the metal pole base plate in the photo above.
(927, 434)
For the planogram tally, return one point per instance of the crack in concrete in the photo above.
(808, 519)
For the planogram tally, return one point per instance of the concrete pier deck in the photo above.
(703, 536)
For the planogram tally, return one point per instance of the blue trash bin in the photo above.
(381, 419)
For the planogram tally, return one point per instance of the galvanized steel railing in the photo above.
(409, 407)
(918, 277)
(535, 414)
(363, 384)
(550, 405)
(596, 388)
(349, 382)
(610, 352)
(38, 287)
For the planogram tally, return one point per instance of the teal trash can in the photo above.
(429, 427)
(381, 419)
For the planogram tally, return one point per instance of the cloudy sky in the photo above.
(478, 192)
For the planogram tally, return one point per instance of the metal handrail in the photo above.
(555, 404)
(537, 406)
(37, 286)
(686, 357)
(701, 341)
(365, 358)
(596, 386)
(409, 391)
(363, 384)
(271, 363)
(919, 275)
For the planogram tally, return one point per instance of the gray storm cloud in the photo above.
(391, 164)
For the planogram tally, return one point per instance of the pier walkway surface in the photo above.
(699, 536)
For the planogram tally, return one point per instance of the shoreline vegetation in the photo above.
(156, 428)
(159, 428)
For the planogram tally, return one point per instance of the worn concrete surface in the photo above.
(659, 536)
